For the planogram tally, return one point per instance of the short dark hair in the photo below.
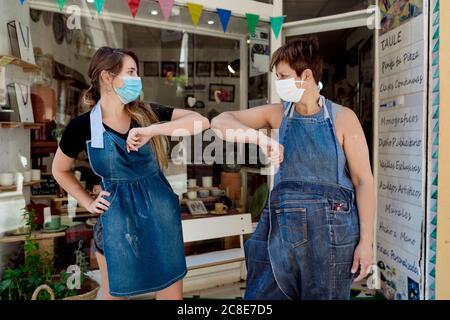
(300, 54)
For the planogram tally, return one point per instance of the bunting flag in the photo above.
(61, 4)
(99, 5)
(224, 16)
(22, 2)
(134, 6)
(195, 11)
(276, 23)
(252, 21)
(166, 8)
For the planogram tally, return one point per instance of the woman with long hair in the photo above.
(138, 235)
(316, 233)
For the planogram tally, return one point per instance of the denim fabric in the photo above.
(305, 240)
(141, 232)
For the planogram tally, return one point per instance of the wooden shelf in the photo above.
(44, 196)
(36, 235)
(7, 188)
(44, 144)
(32, 183)
(6, 59)
(25, 184)
(13, 125)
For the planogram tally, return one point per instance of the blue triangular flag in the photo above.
(224, 16)
(22, 2)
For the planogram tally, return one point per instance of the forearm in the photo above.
(228, 128)
(188, 125)
(68, 182)
(365, 200)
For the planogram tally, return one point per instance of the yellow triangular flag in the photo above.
(196, 12)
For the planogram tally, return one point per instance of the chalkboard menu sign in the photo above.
(48, 186)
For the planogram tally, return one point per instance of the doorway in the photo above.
(348, 72)
(347, 44)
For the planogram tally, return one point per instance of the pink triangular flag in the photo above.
(166, 8)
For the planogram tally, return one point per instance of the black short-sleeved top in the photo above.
(78, 131)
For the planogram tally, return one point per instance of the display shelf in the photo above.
(7, 188)
(43, 197)
(36, 235)
(13, 125)
(25, 184)
(6, 59)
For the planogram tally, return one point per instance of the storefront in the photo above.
(212, 56)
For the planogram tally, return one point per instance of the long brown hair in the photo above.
(111, 60)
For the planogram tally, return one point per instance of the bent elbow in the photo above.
(219, 121)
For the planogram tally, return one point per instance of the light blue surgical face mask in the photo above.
(131, 90)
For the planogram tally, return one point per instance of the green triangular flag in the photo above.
(432, 287)
(433, 273)
(252, 22)
(436, 74)
(434, 221)
(434, 209)
(436, 143)
(99, 5)
(437, 99)
(436, 154)
(436, 34)
(436, 21)
(436, 8)
(434, 195)
(437, 86)
(435, 181)
(276, 23)
(436, 46)
(61, 4)
(433, 259)
(433, 247)
(195, 10)
(436, 114)
(436, 127)
(435, 59)
(433, 234)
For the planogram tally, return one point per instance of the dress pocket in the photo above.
(169, 187)
(293, 225)
(112, 189)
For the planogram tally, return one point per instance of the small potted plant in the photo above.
(36, 279)
(57, 133)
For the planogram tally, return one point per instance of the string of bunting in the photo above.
(195, 11)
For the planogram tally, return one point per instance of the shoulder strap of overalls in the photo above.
(334, 109)
(97, 128)
(288, 108)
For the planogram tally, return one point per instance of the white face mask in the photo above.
(288, 90)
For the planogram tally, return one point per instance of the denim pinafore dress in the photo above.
(141, 230)
(304, 243)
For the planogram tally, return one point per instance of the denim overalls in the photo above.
(304, 243)
(142, 233)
